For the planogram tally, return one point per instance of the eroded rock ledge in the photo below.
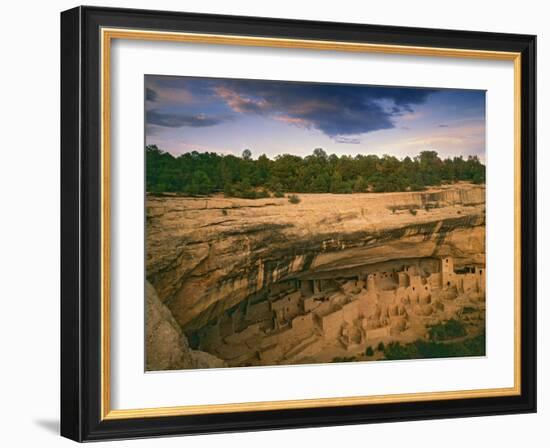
(166, 346)
(205, 256)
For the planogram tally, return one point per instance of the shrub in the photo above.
(427, 349)
(344, 359)
(413, 211)
(395, 350)
(224, 212)
(263, 193)
(279, 194)
(450, 329)
(240, 190)
(381, 347)
(431, 206)
(468, 310)
(294, 199)
(417, 187)
(246, 194)
(228, 191)
(369, 351)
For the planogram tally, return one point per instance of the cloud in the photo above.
(298, 122)
(167, 90)
(150, 95)
(443, 126)
(349, 140)
(151, 129)
(178, 120)
(409, 115)
(458, 137)
(337, 110)
(240, 103)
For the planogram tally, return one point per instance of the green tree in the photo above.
(360, 185)
(320, 154)
(200, 184)
(320, 184)
(337, 184)
(199, 173)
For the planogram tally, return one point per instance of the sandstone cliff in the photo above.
(166, 347)
(205, 255)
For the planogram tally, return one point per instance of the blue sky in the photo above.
(226, 116)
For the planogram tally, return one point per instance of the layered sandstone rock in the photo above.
(166, 347)
(204, 256)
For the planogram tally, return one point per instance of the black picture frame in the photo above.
(81, 224)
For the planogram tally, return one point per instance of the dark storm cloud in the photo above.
(198, 86)
(150, 94)
(340, 111)
(178, 120)
(336, 110)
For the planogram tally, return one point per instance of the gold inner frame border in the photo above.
(107, 36)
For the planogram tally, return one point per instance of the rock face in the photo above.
(166, 347)
(205, 256)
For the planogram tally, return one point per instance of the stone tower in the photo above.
(480, 271)
(371, 283)
(447, 272)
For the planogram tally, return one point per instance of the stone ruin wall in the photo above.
(303, 315)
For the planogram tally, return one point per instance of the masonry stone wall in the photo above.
(378, 333)
(351, 311)
(370, 307)
(303, 325)
(332, 324)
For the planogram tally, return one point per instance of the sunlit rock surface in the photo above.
(165, 346)
(207, 255)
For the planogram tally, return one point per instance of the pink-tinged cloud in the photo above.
(169, 95)
(282, 116)
(311, 106)
(412, 116)
(295, 121)
(240, 103)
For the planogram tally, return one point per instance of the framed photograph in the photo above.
(276, 224)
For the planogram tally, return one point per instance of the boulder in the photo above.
(167, 347)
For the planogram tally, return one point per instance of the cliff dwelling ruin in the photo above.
(235, 282)
(322, 317)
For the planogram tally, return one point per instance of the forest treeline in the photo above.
(196, 173)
